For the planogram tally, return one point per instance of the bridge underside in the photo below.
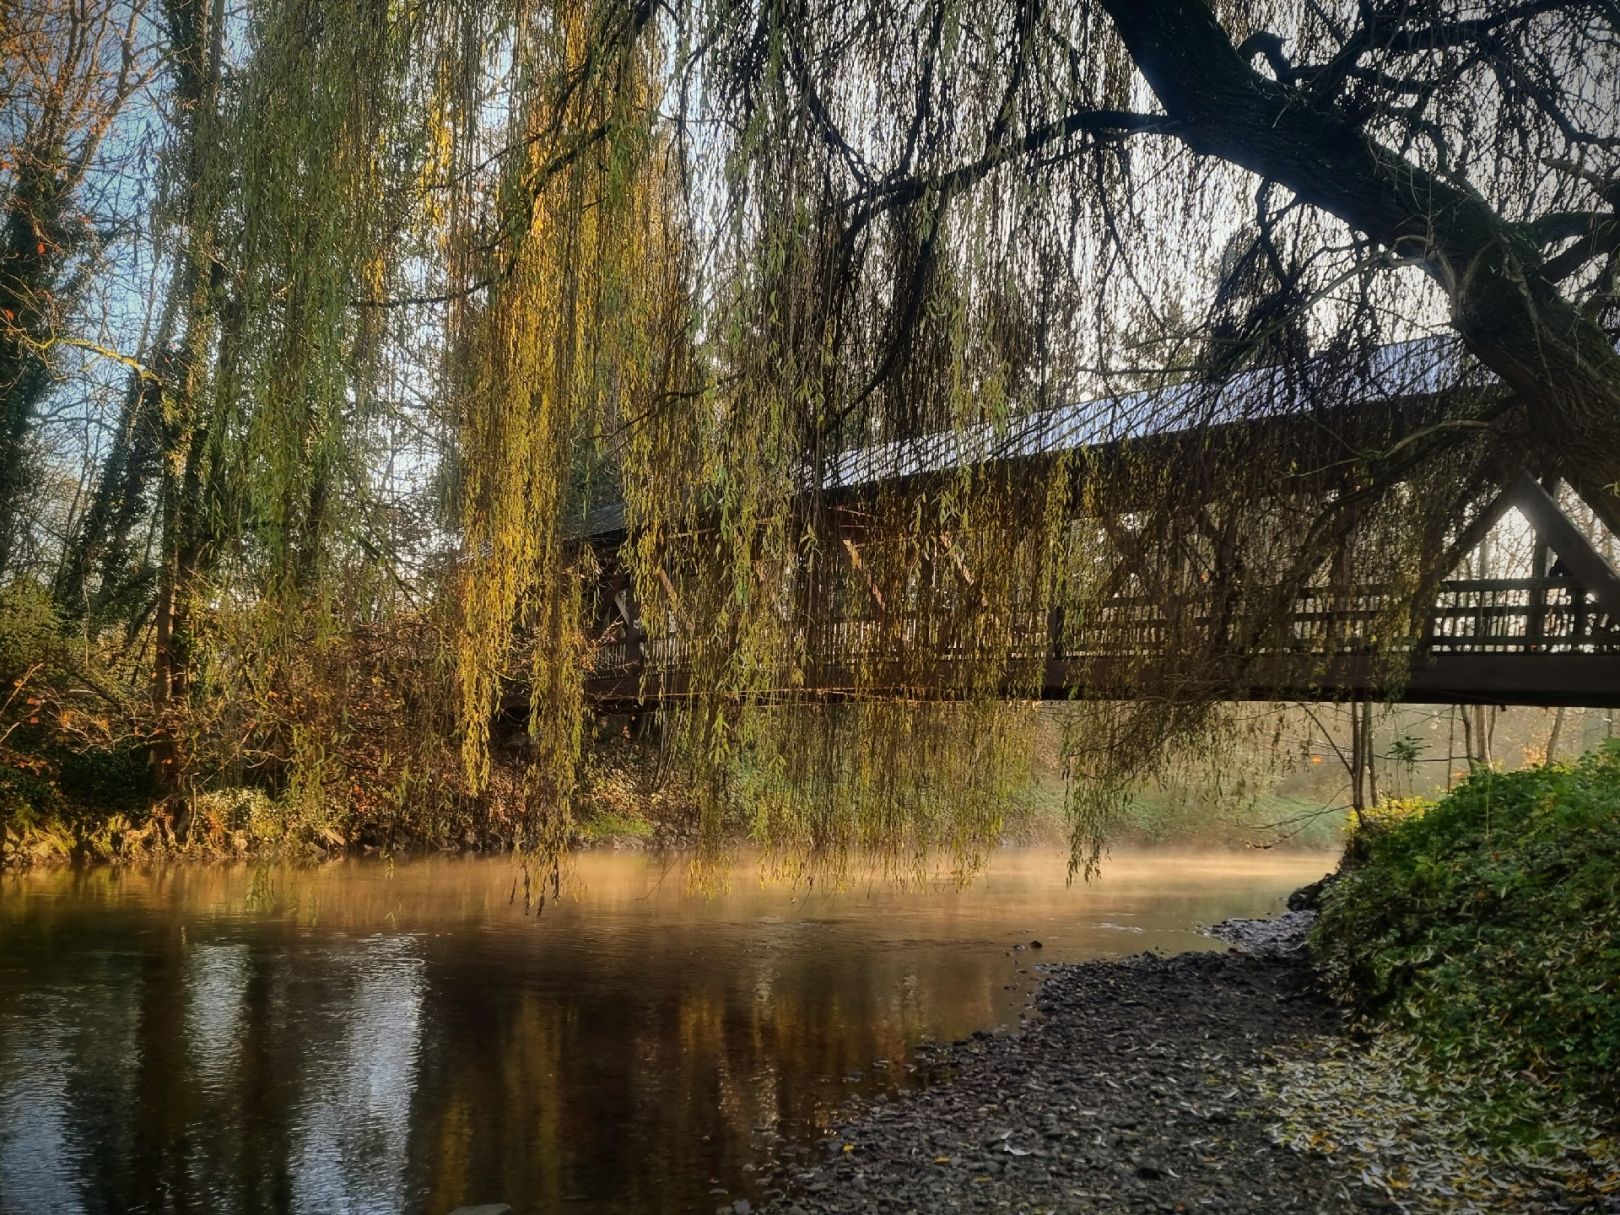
(1534, 679)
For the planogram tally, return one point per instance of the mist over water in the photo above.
(363, 1037)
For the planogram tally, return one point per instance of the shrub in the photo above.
(69, 755)
(1487, 925)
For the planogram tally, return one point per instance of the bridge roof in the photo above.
(1423, 367)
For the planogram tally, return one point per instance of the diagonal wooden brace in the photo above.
(1581, 557)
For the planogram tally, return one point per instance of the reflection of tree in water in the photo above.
(708, 1049)
(36, 1147)
(360, 1041)
(353, 1122)
(70, 1040)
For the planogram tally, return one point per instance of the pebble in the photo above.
(1141, 1085)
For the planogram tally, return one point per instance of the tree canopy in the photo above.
(325, 323)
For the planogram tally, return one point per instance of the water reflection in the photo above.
(351, 1037)
(353, 1129)
(217, 984)
(36, 1154)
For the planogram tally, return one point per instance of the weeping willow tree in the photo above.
(582, 323)
(944, 232)
(289, 188)
(916, 344)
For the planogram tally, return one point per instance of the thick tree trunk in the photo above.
(1558, 362)
(198, 26)
(100, 550)
(34, 243)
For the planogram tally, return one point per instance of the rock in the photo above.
(484, 1208)
(1309, 898)
(1266, 938)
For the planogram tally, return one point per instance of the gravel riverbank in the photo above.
(1136, 1088)
(1201, 1082)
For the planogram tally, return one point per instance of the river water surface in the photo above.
(359, 1037)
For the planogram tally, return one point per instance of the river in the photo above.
(364, 1037)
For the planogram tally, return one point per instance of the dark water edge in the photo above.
(360, 1037)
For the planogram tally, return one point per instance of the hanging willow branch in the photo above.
(915, 342)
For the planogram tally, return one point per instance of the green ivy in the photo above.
(1489, 926)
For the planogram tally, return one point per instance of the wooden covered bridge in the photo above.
(1550, 637)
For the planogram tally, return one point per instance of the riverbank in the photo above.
(64, 801)
(1135, 1087)
(1186, 1083)
(628, 798)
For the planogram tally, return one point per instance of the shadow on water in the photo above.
(365, 1038)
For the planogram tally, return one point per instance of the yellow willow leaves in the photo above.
(556, 351)
(607, 306)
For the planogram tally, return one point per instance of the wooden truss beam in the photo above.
(1581, 558)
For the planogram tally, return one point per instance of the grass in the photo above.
(608, 826)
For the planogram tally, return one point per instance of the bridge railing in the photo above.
(1518, 614)
(1479, 616)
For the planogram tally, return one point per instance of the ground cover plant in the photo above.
(1486, 926)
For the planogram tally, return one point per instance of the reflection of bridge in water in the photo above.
(1550, 638)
